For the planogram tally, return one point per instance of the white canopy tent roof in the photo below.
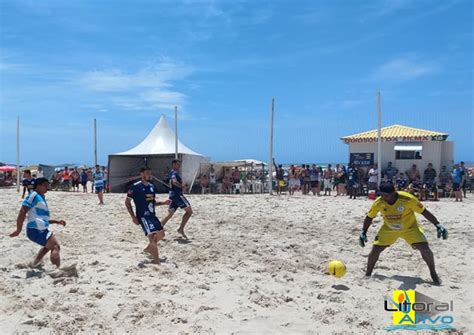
(157, 151)
(160, 140)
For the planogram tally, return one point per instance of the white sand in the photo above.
(255, 264)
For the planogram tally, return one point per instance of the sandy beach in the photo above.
(253, 264)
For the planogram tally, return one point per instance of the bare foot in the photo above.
(34, 264)
(181, 231)
(55, 258)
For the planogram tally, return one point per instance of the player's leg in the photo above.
(373, 258)
(428, 257)
(188, 212)
(53, 246)
(41, 253)
(171, 212)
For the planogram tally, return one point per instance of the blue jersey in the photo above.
(98, 179)
(29, 184)
(38, 215)
(83, 177)
(352, 175)
(144, 198)
(175, 191)
(457, 176)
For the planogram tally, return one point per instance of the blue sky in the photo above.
(63, 63)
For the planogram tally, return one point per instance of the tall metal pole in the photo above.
(95, 142)
(175, 132)
(270, 158)
(18, 154)
(379, 140)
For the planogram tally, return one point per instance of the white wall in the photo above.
(447, 154)
(432, 153)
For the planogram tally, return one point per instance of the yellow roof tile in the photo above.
(396, 133)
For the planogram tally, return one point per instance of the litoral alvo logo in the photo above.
(413, 310)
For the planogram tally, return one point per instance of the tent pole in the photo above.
(175, 132)
(95, 142)
(18, 154)
(270, 158)
(379, 140)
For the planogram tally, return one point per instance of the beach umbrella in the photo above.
(7, 168)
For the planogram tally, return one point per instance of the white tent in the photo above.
(157, 151)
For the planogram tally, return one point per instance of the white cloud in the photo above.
(148, 88)
(404, 68)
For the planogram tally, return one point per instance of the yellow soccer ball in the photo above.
(337, 269)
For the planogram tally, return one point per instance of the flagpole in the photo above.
(270, 158)
(175, 132)
(18, 154)
(379, 140)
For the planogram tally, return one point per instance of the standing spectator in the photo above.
(306, 181)
(314, 180)
(337, 178)
(280, 175)
(352, 180)
(465, 177)
(342, 181)
(28, 183)
(90, 178)
(457, 180)
(75, 177)
(293, 181)
(373, 177)
(429, 183)
(236, 179)
(390, 171)
(444, 177)
(39, 173)
(83, 179)
(212, 180)
(204, 183)
(106, 178)
(99, 184)
(66, 175)
(327, 180)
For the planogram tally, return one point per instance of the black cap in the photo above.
(386, 188)
(40, 181)
(145, 168)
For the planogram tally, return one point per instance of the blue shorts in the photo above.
(99, 189)
(150, 224)
(38, 236)
(179, 201)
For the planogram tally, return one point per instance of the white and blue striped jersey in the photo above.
(38, 215)
(98, 179)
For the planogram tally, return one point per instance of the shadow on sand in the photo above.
(407, 282)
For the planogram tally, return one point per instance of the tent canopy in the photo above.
(157, 152)
(160, 140)
(7, 168)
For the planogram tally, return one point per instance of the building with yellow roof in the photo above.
(403, 146)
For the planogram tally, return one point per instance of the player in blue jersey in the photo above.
(28, 182)
(177, 198)
(98, 176)
(35, 209)
(143, 195)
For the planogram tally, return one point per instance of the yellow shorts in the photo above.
(281, 183)
(387, 236)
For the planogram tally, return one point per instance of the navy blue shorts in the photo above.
(38, 236)
(179, 201)
(99, 189)
(150, 224)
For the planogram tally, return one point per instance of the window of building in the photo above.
(408, 151)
